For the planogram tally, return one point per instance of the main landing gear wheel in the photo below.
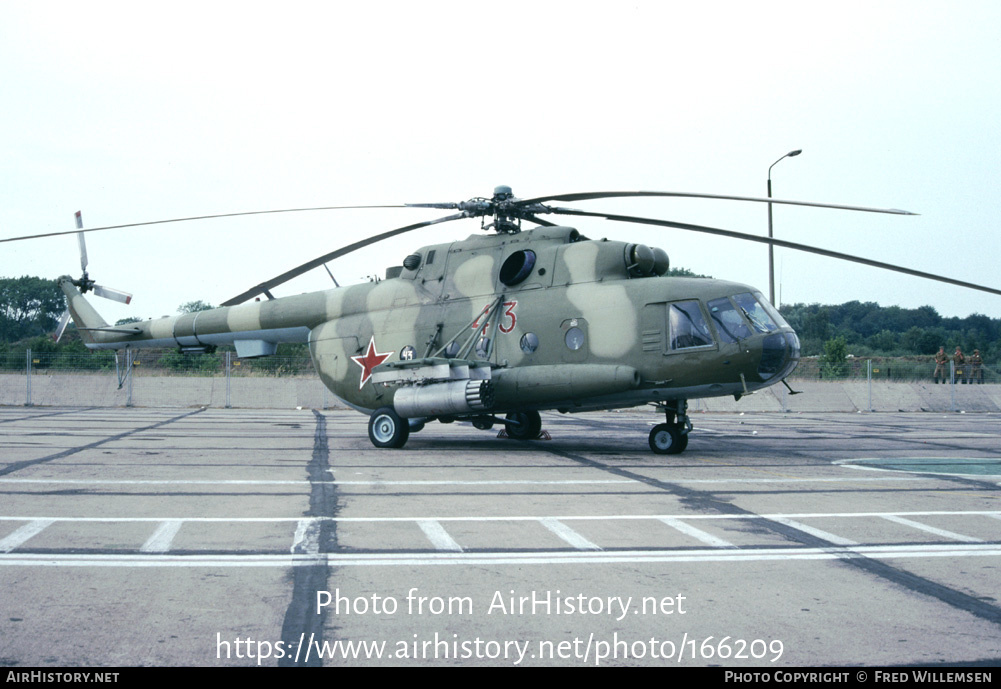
(667, 439)
(387, 429)
(523, 425)
(484, 423)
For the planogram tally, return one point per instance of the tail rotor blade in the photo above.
(63, 322)
(113, 294)
(83, 243)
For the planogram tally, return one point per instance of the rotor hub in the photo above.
(84, 284)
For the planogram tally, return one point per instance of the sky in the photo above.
(133, 112)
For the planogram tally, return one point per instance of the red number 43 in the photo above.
(508, 318)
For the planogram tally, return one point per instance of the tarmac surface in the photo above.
(204, 537)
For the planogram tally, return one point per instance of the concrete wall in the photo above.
(853, 396)
(101, 390)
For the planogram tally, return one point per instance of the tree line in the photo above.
(868, 329)
(30, 309)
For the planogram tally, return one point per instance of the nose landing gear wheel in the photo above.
(667, 439)
(387, 429)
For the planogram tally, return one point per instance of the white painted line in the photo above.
(506, 558)
(21, 535)
(307, 537)
(438, 536)
(162, 538)
(154, 482)
(813, 531)
(301, 482)
(515, 518)
(932, 530)
(485, 482)
(568, 534)
(697, 534)
(842, 479)
(917, 468)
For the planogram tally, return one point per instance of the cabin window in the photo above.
(529, 343)
(730, 326)
(574, 338)
(688, 326)
(755, 312)
(482, 347)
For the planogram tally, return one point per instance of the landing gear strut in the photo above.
(671, 438)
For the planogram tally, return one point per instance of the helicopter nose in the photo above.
(779, 355)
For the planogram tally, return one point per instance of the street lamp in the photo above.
(771, 248)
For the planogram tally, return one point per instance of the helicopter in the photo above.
(496, 328)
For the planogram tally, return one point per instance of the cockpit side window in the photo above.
(755, 313)
(688, 326)
(730, 326)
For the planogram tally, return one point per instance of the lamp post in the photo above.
(771, 248)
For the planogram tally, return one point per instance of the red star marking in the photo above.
(369, 360)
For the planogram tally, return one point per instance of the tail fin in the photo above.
(87, 319)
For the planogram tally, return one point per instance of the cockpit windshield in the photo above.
(729, 324)
(734, 319)
(760, 318)
(772, 311)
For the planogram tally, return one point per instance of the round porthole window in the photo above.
(517, 267)
(574, 338)
(529, 343)
(482, 347)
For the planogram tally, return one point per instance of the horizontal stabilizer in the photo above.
(126, 331)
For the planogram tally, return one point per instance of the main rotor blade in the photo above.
(540, 221)
(264, 287)
(196, 217)
(677, 194)
(784, 244)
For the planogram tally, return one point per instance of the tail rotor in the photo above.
(85, 284)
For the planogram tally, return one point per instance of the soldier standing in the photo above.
(940, 361)
(976, 367)
(959, 360)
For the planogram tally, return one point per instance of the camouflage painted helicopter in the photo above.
(498, 327)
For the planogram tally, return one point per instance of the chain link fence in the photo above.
(895, 369)
(167, 378)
